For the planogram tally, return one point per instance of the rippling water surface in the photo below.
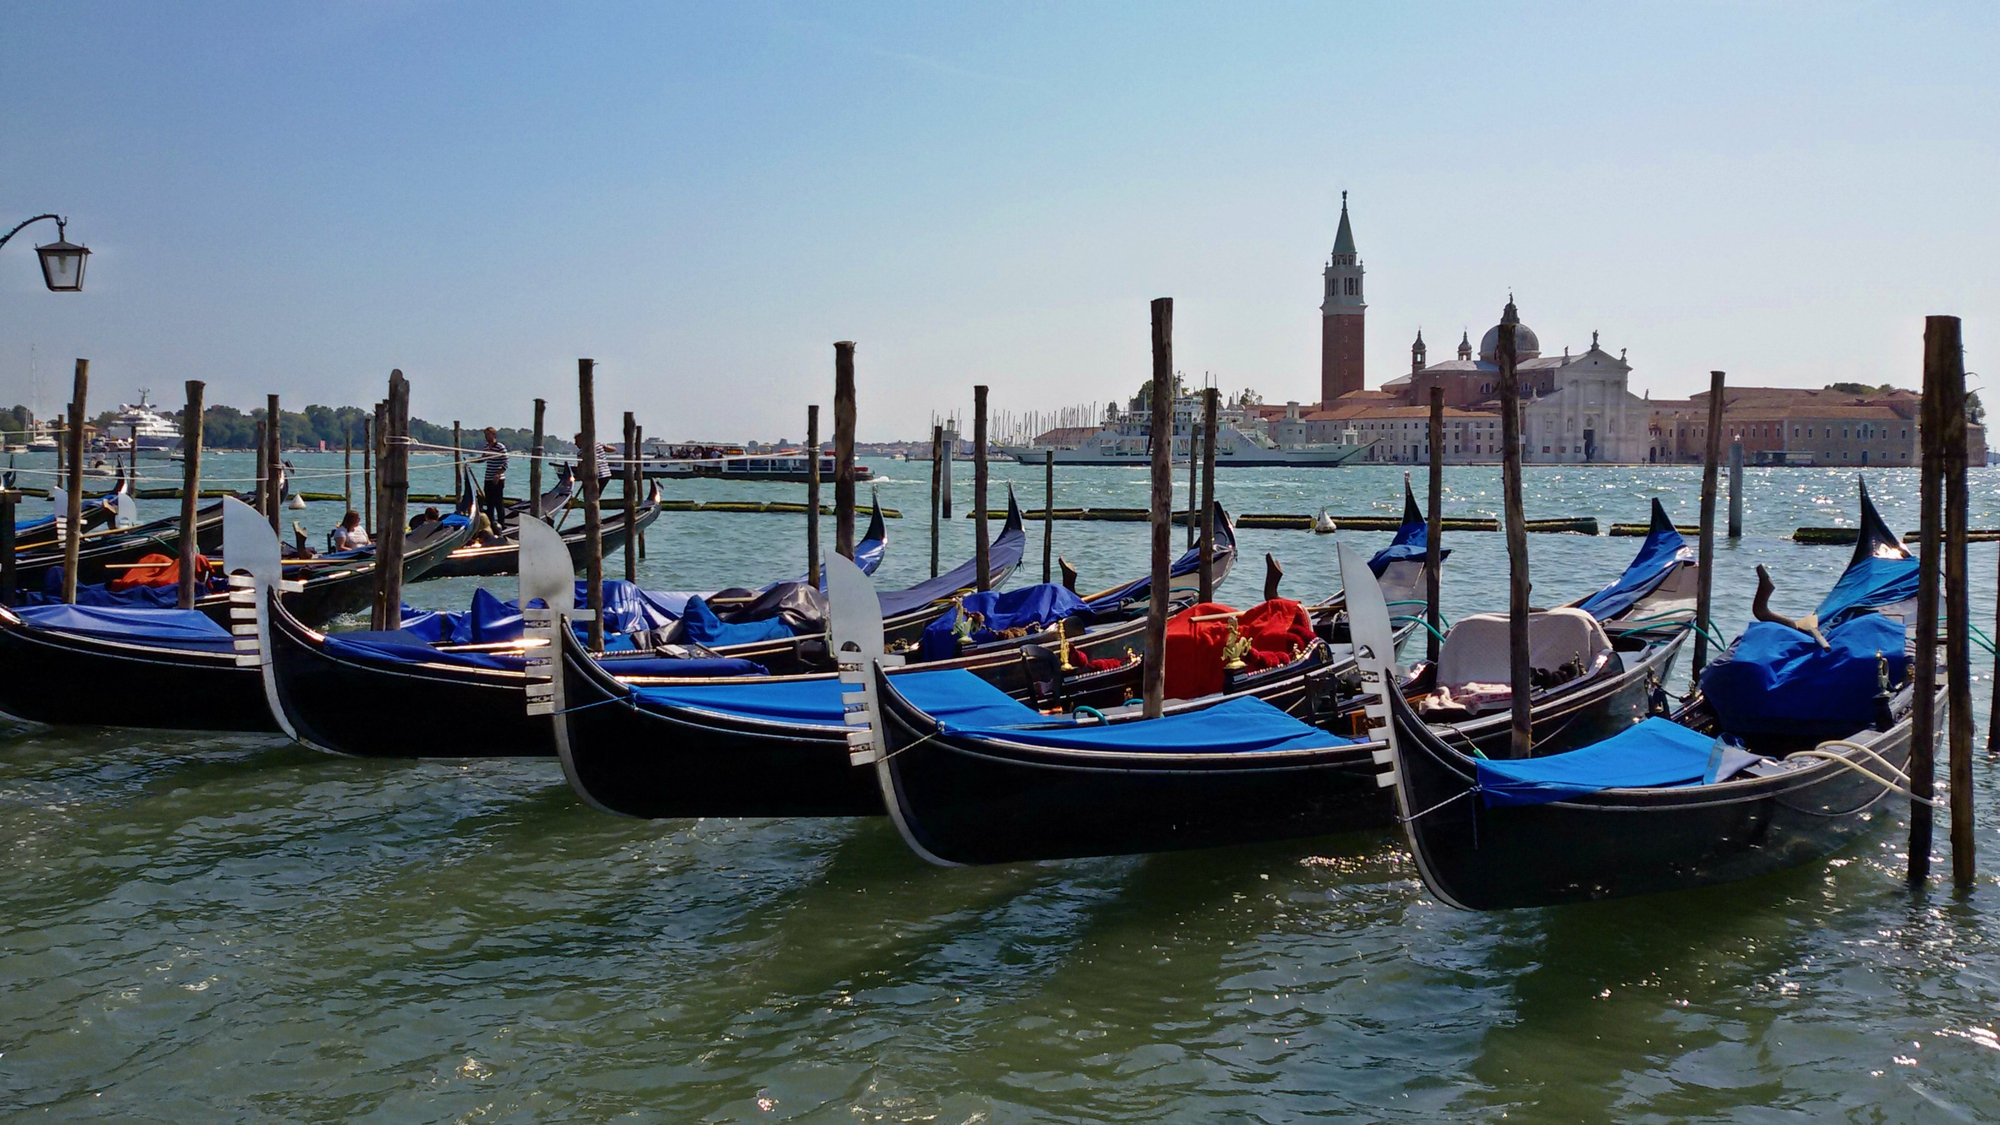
(199, 928)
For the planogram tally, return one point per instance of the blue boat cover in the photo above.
(137, 597)
(1777, 680)
(401, 646)
(1664, 549)
(1867, 584)
(689, 667)
(38, 521)
(1412, 541)
(1044, 604)
(1244, 725)
(700, 625)
(165, 628)
(1653, 754)
(1003, 554)
(951, 695)
(627, 609)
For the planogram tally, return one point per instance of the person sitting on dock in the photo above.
(495, 456)
(350, 535)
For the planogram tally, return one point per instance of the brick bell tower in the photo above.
(1342, 317)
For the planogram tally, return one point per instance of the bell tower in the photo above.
(1342, 316)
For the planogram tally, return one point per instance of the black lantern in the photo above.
(62, 264)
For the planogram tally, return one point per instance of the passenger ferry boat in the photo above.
(734, 464)
(153, 429)
(1123, 441)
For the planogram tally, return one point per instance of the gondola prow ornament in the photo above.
(855, 630)
(1374, 652)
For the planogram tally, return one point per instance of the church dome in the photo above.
(1526, 344)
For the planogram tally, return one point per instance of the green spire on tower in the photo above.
(1343, 242)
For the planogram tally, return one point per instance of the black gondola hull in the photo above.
(472, 561)
(1618, 843)
(51, 677)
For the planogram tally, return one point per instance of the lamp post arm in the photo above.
(62, 225)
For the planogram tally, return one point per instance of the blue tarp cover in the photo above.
(1412, 541)
(405, 647)
(1652, 754)
(167, 628)
(1046, 603)
(1002, 555)
(1243, 725)
(953, 695)
(627, 609)
(700, 625)
(1869, 584)
(1657, 557)
(1777, 680)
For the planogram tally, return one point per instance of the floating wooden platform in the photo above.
(1583, 525)
(1641, 530)
(1845, 536)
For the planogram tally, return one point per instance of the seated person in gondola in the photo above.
(482, 532)
(350, 534)
(428, 515)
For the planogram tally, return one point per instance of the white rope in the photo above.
(1845, 762)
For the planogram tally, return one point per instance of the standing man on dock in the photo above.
(495, 456)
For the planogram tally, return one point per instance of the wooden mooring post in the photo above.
(1923, 676)
(191, 487)
(1705, 549)
(1194, 479)
(1161, 437)
(637, 540)
(346, 470)
(1957, 595)
(395, 474)
(1048, 516)
(982, 537)
(73, 513)
(593, 519)
(274, 463)
(535, 455)
(938, 511)
(812, 496)
(628, 479)
(457, 456)
(1211, 407)
(1519, 674)
(1736, 490)
(8, 498)
(843, 448)
(368, 429)
(1434, 529)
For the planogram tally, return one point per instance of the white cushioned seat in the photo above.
(1476, 648)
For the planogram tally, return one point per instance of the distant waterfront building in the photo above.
(1796, 426)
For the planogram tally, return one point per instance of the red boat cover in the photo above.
(1278, 630)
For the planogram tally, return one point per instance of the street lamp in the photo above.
(62, 260)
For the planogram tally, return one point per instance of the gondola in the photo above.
(475, 561)
(979, 781)
(775, 746)
(1612, 672)
(103, 553)
(132, 666)
(1668, 805)
(33, 534)
(907, 611)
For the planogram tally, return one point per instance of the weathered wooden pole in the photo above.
(1434, 530)
(191, 486)
(8, 498)
(1161, 436)
(346, 470)
(274, 460)
(1211, 407)
(593, 520)
(62, 445)
(395, 473)
(1736, 490)
(1194, 482)
(843, 448)
(535, 462)
(1957, 604)
(982, 546)
(639, 482)
(1711, 459)
(938, 454)
(628, 477)
(812, 495)
(1939, 353)
(457, 457)
(73, 529)
(1520, 675)
(371, 428)
(258, 490)
(1048, 515)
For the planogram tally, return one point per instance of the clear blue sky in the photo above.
(298, 198)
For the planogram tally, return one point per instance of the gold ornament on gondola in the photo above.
(1233, 649)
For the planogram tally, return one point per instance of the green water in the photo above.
(235, 929)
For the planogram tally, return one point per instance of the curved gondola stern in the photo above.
(1375, 656)
(256, 578)
(546, 576)
(1411, 513)
(855, 613)
(1875, 540)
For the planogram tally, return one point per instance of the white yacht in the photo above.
(153, 428)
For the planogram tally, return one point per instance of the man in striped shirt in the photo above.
(495, 456)
(605, 455)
